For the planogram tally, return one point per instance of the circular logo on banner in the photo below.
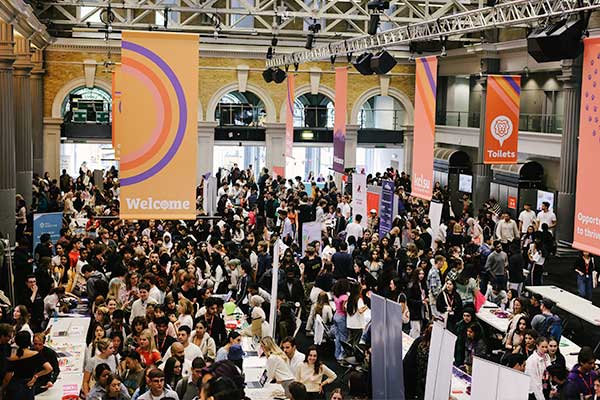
(502, 128)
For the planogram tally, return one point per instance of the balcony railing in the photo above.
(240, 114)
(543, 123)
(381, 119)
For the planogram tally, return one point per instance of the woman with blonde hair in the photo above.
(147, 349)
(105, 356)
(277, 368)
(118, 291)
(185, 309)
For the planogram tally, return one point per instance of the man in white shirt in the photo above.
(546, 216)
(345, 207)
(154, 293)
(138, 308)
(294, 358)
(354, 228)
(526, 218)
(190, 350)
(507, 230)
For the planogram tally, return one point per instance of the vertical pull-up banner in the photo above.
(289, 116)
(424, 126)
(159, 88)
(339, 126)
(586, 235)
(502, 104)
(116, 112)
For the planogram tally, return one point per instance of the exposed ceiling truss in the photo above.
(338, 18)
(512, 13)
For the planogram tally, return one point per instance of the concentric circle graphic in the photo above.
(167, 107)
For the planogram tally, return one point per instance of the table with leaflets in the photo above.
(67, 337)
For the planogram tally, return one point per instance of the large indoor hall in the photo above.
(299, 200)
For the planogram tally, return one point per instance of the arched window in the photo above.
(381, 112)
(85, 104)
(313, 111)
(243, 109)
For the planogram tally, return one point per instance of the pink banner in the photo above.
(586, 235)
(424, 127)
(289, 117)
(339, 127)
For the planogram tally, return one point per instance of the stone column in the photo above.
(275, 145)
(206, 148)
(408, 149)
(565, 208)
(22, 101)
(51, 139)
(37, 110)
(482, 173)
(7, 133)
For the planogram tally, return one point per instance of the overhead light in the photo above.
(363, 64)
(279, 75)
(268, 75)
(307, 135)
(378, 5)
(373, 24)
(382, 62)
(313, 29)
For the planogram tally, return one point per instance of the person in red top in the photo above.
(147, 349)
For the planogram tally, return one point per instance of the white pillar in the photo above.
(52, 145)
(206, 148)
(275, 146)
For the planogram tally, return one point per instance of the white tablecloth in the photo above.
(67, 338)
(253, 369)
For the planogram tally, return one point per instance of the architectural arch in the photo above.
(305, 89)
(257, 90)
(69, 87)
(392, 92)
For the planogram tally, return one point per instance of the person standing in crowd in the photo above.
(311, 373)
(507, 231)
(581, 378)
(23, 369)
(294, 358)
(527, 218)
(546, 216)
(585, 268)
(496, 264)
(340, 298)
(158, 389)
(536, 367)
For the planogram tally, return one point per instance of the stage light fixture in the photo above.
(363, 64)
(269, 53)
(268, 75)
(279, 75)
(313, 29)
(382, 62)
(373, 24)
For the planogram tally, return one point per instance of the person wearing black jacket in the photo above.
(516, 264)
(45, 382)
(342, 262)
(216, 325)
(292, 290)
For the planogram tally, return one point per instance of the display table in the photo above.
(493, 316)
(67, 338)
(253, 369)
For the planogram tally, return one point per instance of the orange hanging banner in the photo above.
(424, 126)
(586, 235)
(502, 119)
(116, 111)
(159, 84)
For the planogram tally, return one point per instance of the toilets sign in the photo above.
(502, 119)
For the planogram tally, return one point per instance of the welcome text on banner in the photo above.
(159, 88)
(424, 126)
(502, 119)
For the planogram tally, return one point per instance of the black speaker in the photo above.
(559, 41)
(279, 75)
(382, 63)
(363, 64)
(268, 75)
(428, 46)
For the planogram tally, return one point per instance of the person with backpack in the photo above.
(547, 324)
(189, 388)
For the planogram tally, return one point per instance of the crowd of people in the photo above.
(158, 291)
